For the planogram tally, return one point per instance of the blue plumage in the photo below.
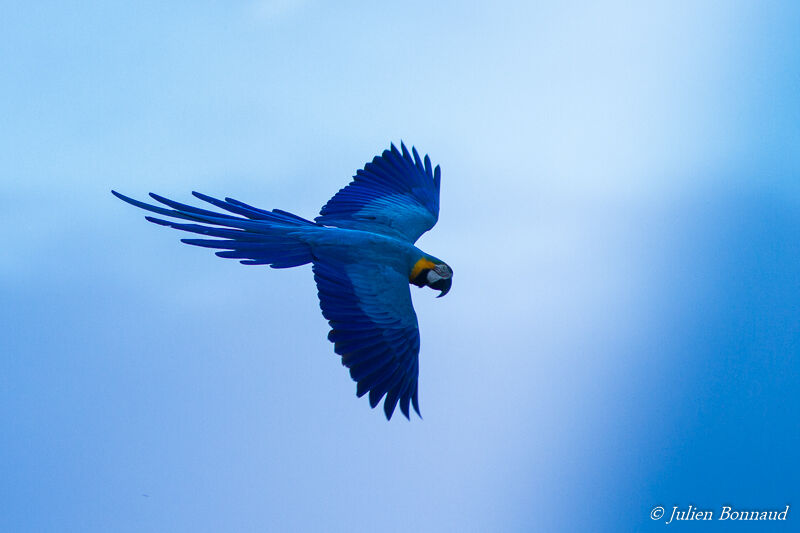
(379, 349)
(394, 195)
(363, 259)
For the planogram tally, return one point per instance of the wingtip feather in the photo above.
(406, 155)
(417, 160)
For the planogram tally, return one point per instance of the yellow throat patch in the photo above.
(419, 266)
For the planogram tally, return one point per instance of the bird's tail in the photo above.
(256, 237)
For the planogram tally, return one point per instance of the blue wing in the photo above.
(374, 329)
(394, 195)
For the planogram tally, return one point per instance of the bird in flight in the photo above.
(361, 247)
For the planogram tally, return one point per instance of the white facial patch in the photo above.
(433, 277)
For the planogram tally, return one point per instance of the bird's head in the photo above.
(433, 273)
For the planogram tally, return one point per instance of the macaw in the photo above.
(361, 247)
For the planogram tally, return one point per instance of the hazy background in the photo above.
(620, 204)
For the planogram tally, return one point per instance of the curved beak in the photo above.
(443, 285)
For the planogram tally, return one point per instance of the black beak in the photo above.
(442, 285)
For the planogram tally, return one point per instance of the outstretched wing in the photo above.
(373, 328)
(394, 195)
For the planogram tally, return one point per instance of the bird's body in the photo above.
(354, 246)
(363, 256)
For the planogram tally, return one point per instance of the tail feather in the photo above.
(275, 238)
(241, 208)
(235, 207)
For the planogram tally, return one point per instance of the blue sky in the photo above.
(620, 204)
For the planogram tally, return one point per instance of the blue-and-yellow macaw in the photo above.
(362, 252)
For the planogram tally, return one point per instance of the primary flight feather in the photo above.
(361, 247)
